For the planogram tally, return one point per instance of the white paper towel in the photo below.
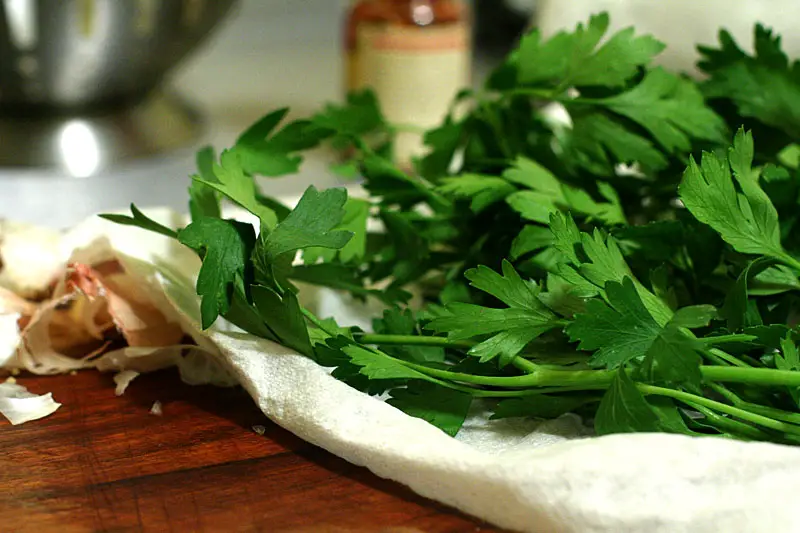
(518, 475)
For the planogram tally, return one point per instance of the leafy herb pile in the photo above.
(637, 264)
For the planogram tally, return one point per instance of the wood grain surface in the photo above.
(104, 463)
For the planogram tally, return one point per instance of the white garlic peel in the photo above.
(9, 339)
(30, 258)
(123, 379)
(18, 405)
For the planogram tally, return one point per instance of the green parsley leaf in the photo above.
(623, 330)
(244, 314)
(265, 155)
(442, 407)
(765, 86)
(346, 278)
(623, 409)
(598, 143)
(284, 317)
(331, 355)
(789, 359)
(377, 365)
(204, 200)
(774, 280)
(232, 181)
(262, 127)
(384, 180)
(358, 116)
(530, 239)
(442, 142)
(483, 191)
(594, 260)
(310, 224)
(140, 220)
(575, 59)
(739, 310)
(548, 194)
(620, 330)
(673, 358)
(670, 108)
(540, 406)
(354, 220)
(695, 316)
(512, 328)
(225, 247)
(397, 321)
(746, 220)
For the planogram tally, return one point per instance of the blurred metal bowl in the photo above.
(70, 54)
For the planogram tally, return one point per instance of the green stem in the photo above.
(779, 414)
(715, 358)
(728, 358)
(586, 379)
(521, 393)
(419, 340)
(720, 407)
(529, 367)
(752, 376)
(788, 260)
(722, 339)
(436, 200)
(407, 128)
(544, 94)
(491, 120)
(737, 429)
(317, 322)
(725, 393)
(412, 340)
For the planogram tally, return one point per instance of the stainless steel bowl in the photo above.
(70, 54)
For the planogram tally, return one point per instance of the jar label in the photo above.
(416, 73)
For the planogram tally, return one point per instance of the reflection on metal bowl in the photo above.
(80, 145)
(76, 74)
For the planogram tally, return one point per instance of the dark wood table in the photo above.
(104, 463)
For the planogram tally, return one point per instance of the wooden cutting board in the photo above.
(104, 463)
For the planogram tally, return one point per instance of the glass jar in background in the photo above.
(416, 56)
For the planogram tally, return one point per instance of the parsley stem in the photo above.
(722, 339)
(483, 393)
(412, 340)
(529, 367)
(586, 379)
(720, 407)
(788, 260)
(716, 359)
(494, 124)
(407, 128)
(545, 94)
(317, 322)
(751, 376)
(726, 357)
(737, 429)
(496, 381)
(521, 363)
(779, 414)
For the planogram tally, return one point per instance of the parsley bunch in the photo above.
(636, 264)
